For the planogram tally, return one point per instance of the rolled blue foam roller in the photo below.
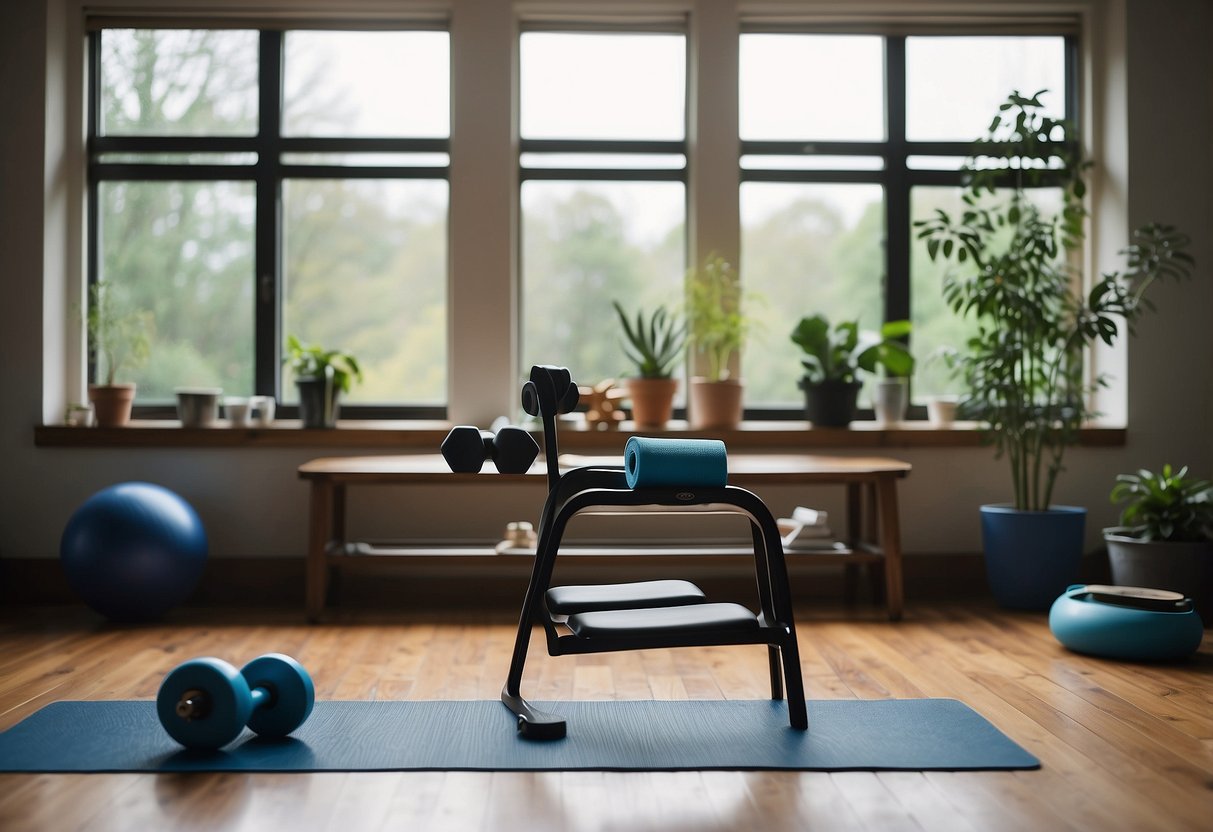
(657, 463)
(1121, 626)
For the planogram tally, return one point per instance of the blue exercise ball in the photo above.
(134, 551)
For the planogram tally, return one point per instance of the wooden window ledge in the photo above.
(425, 436)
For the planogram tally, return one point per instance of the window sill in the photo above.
(425, 436)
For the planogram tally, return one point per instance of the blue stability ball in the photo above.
(134, 551)
(1087, 625)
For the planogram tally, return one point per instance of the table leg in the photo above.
(320, 532)
(890, 543)
(850, 572)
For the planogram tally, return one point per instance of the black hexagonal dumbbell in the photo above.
(511, 448)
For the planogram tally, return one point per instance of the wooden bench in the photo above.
(872, 530)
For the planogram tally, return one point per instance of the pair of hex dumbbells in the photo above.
(205, 703)
(512, 449)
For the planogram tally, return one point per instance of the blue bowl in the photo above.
(1085, 624)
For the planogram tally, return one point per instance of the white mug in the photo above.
(237, 411)
(261, 410)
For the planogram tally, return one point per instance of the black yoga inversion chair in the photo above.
(649, 614)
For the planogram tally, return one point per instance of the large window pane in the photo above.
(603, 86)
(806, 249)
(367, 84)
(812, 87)
(586, 244)
(954, 85)
(178, 82)
(184, 252)
(936, 326)
(365, 271)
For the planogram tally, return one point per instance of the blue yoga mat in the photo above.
(906, 734)
(658, 463)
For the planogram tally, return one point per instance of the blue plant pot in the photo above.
(1031, 556)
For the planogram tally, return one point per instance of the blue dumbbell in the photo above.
(205, 703)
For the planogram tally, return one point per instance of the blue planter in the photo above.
(1031, 556)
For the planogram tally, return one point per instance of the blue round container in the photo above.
(1086, 625)
(1031, 556)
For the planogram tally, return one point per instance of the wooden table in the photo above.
(873, 534)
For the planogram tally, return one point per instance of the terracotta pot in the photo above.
(715, 404)
(111, 403)
(652, 400)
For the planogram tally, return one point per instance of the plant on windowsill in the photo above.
(119, 338)
(716, 333)
(834, 358)
(1165, 540)
(939, 378)
(653, 344)
(321, 375)
(1013, 271)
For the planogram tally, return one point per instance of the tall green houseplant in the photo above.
(1015, 272)
(119, 339)
(716, 331)
(716, 325)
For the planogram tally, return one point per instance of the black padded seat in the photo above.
(696, 618)
(567, 600)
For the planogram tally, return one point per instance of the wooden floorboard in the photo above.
(1124, 746)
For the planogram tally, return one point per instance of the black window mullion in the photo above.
(267, 315)
(809, 175)
(93, 245)
(897, 188)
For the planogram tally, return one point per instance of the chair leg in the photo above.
(798, 714)
(776, 672)
(534, 724)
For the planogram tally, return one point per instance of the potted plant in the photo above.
(1024, 367)
(938, 379)
(716, 332)
(833, 359)
(1165, 540)
(321, 375)
(653, 345)
(118, 339)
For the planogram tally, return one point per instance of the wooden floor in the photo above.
(1124, 746)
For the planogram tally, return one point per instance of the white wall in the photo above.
(253, 503)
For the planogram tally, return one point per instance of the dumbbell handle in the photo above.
(196, 704)
(193, 704)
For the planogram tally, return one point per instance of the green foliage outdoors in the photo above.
(579, 252)
(654, 343)
(118, 334)
(1170, 506)
(839, 354)
(364, 263)
(716, 321)
(1013, 273)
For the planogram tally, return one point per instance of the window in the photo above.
(603, 190)
(249, 184)
(845, 141)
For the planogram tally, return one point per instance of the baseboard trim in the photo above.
(390, 582)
